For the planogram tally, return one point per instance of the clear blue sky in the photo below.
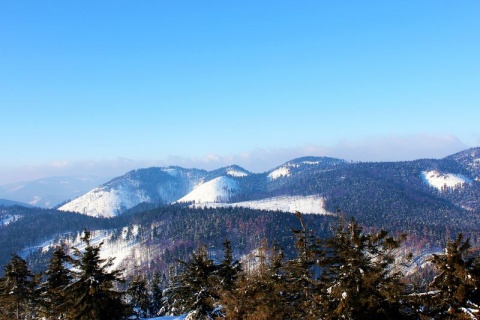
(120, 84)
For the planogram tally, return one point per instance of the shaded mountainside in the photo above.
(151, 238)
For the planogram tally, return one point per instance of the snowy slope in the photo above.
(305, 204)
(217, 190)
(153, 185)
(440, 180)
(5, 220)
(297, 165)
(235, 172)
(124, 248)
(107, 202)
(278, 173)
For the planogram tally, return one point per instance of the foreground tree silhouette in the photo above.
(229, 268)
(456, 283)
(53, 303)
(257, 293)
(138, 295)
(196, 289)
(92, 294)
(301, 286)
(199, 287)
(16, 290)
(360, 281)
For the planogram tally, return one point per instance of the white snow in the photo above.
(440, 180)
(217, 190)
(101, 202)
(311, 162)
(7, 219)
(313, 204)
(125, 249)
(280, 172)
(236, 173)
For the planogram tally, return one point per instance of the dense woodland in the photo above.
(239, 263)
(352, 274)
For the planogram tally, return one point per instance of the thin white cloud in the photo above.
(391, 148)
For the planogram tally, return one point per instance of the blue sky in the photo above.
(102, 87)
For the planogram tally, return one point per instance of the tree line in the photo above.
(351, 275)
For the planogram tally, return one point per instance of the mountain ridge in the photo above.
(304, 176)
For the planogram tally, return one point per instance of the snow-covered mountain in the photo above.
(419, 197)
(49, 192)
(309, 184)
(157, 185)
(179, 185)
(301, 164)
(216, 190)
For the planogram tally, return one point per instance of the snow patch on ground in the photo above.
(311, 162)
(313, 204)
(440, 180)
(236, 173)
(217, 190)
(280, 172)
(7, 219)
(124, 248)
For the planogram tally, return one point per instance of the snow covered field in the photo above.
(313, 204)
(440, 180)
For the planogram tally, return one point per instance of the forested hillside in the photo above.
(351, 273)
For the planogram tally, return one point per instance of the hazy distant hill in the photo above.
(51, 191)
(9, 203)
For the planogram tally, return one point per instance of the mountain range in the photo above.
(150, 217)
(309, 184)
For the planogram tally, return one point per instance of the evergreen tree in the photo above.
(92, 293)
(257, 294)
(137, 292)
(228, 269)
(359, 276)
(457, 281)
(156, 297)
(196, 288)
(301, 286)
(54, 303)
(16, 290)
